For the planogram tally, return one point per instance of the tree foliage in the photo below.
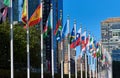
(19, 46)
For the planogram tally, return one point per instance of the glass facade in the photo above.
(17, 9)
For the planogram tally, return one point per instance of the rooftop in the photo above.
(112, 20)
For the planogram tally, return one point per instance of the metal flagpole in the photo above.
(85, 61)
(93, 74)
(69, 69)
(81, 70)
(41, 26)
(75, 67)
(90, 72)
(75, 52)
(11, 41)
(61, 59)
(96, 68)
(86, 65)
(28, 52)
(52, 50)
(62, 55)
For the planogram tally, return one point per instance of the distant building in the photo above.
(116, 55)
(110, 33)
(72, 60)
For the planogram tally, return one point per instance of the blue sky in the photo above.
(90, 13)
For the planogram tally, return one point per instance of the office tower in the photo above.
(110, 33)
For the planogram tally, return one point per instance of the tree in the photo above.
(20, 49)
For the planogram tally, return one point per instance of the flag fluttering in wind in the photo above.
(47, 26)
(24, 12)
(58, 27)
(83, 40)
(64, 30)
(72, 38)
(36, 16)
(7, 3)
(78, 37)
(4, 14)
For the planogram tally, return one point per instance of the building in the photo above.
(110, 33)
(116, 55)
(72, 57)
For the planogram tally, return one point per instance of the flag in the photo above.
(72, 35)
(58, 36)
(7, 3)
(64, 30)
(91, 44)
(24, 12)
(4, 14)
(78, 37)
(72, 38)
(83, 40)
(47, 26)
(87, 42)
(36, 16)
(58, 27)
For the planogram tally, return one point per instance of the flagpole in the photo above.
(41, 27)
(86, 65)
(11, 41)
(28, 52)
(62, 55)
(90, 71)
(52, 50)
(75, 52)
(61, 58)
(81, 70)
(96, 68)
(69, 69)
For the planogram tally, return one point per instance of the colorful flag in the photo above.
(91, 44)
(78, 37)
(4, 14)
(7, 3)
(64, 30)
(58, 27)
(72, 38)
(72, 35)
(47, 26)
(24, 12)
(87, 42)
(36, 16)
(83, 40)
(58, 36)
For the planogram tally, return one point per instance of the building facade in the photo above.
(110, 33)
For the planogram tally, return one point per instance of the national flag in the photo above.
(4, 14)
(64, 30)
(83, 40)
(47, 26)
(58, 27)
(72, 35)
(87, 42)
(58, 36)
(91, 44)
(72, 38)
(78, 37)
(24, 12)
(7, 3)
(36, 16)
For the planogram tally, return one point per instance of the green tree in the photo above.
(20, 49)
